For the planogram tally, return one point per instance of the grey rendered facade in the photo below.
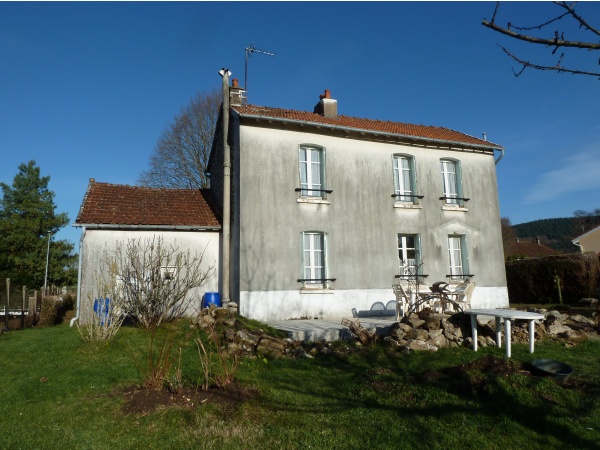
(358, 220)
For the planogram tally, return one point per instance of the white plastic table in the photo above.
(508, 315)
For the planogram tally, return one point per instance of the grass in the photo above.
(58, 391)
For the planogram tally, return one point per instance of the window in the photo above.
(314, 260)
(457, 257)
(451, 183)
(409, 254)
(312, 174)
(404, 179)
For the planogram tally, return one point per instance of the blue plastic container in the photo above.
(101, 308)
(211, 298)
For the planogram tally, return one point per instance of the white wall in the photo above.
(97, 243)
(285, 305)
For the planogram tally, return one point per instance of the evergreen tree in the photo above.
(27, 220)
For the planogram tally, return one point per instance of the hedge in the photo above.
(554, 279)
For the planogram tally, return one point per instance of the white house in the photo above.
(326, 210)
(590, 241)
(113, 213)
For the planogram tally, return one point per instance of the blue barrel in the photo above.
(211, 298)
(101, 309)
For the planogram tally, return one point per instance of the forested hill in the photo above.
(557, 233)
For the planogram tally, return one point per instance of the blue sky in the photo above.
(87, 88)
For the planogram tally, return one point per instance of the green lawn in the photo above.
(60, 392)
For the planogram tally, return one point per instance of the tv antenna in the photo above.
(249, 51)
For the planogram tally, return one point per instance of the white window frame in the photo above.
(457, 257)
(404, 179)
(407, 265)
(451, 182)
(314, 260)
(312, 171)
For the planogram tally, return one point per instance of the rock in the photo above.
(419, 334)
(271, 346)
(325, 351)
(556, 328)
(581, 319)
(397, 334)
(431, 324)
(576, 336)
(588, 301)
(207, 320)
(438, 341)
(417, 345)
(435, 333)
(553, 316)
(415, 322)
(405, 327)
(425, 314)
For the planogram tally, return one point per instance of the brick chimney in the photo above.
(237, 95)
(327, 106)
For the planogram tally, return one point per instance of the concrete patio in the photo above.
(330, 329)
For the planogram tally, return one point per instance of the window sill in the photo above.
(454, 208)
(404, 205)
(317, 200)
(316, 290)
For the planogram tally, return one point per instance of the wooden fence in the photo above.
(19, 309)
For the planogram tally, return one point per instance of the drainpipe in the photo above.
(499, 157)
(225, 73)
(79, 277)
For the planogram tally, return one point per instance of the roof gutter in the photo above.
(376, 133)
(111, 226)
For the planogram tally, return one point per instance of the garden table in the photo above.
(508, 315)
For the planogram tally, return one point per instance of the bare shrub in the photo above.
(218, 365)
(154, 278)
(103, 309)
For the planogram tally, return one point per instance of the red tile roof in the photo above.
(115, 204)
(529, 249)
(378, 126)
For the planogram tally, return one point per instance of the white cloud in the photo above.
(576, 173)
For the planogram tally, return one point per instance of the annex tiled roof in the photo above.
(368, 125)
(529, 249)
(115, 204)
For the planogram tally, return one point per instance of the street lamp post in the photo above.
(47, 260)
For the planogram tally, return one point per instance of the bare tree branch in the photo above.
(555, 42)
(578, 18)
(181, 153)
(557, 68)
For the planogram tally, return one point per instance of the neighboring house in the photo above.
(590, 241)
(527, 248)
(111, 213)
(327, 210)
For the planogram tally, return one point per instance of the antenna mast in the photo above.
(249, 50)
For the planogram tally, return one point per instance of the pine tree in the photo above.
(27, 220)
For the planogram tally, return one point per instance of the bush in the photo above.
(49, 311)
(553, 279)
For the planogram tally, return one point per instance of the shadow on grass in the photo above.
(428, 406)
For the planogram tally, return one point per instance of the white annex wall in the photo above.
(97, 243)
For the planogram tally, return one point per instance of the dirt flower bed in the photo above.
(145, 401)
